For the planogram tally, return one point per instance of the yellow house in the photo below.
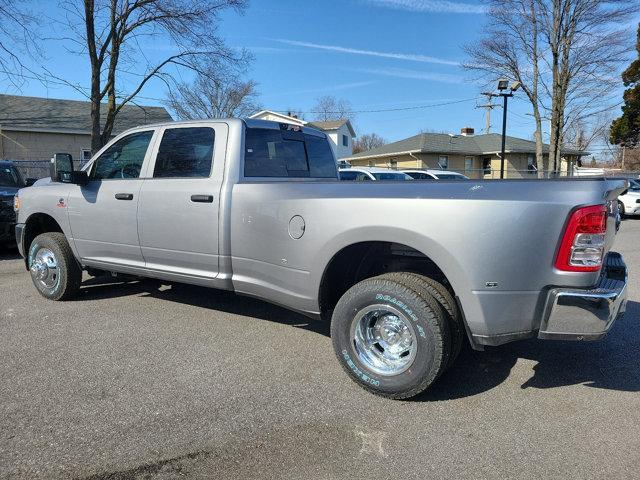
(477, 156)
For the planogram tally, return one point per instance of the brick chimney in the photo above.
(467, 131)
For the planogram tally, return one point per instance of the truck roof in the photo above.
(249, 122)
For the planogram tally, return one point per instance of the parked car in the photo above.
(360, 174)
(629, 203)
(435, 175)
(10, 182)
(256, 207)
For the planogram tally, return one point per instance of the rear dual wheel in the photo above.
(396, 334)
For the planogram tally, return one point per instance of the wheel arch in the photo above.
(36, 224)
(405, 250)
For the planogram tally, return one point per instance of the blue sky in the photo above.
(378, 54)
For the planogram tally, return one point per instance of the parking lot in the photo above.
(142, 380)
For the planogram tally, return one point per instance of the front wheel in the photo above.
(390, 338)
(53, 268)
(621, 208)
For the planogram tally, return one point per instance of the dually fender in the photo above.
(452, 269)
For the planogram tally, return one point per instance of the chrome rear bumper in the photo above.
(576, 314)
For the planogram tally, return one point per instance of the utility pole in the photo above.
(506, 91)
(489, 106)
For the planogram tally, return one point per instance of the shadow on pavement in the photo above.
(611, 363)
(213, 299)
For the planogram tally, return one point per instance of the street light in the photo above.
(503, 86)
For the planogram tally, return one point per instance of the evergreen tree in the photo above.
(625, 130)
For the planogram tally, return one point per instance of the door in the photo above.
(179, 203)
(102, 214)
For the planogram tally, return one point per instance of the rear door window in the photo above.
(185, 153)
(274, 153)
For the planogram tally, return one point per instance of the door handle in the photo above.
(202, 198)
(124, 196)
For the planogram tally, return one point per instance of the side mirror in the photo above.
(30, 181)
(62, 170)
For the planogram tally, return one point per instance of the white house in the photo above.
(340, 132)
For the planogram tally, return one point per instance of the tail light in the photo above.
(582, 246)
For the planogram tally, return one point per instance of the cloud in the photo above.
(371, 53)
(413, 74)
(435, 6)
(333, 88)
(326, 89)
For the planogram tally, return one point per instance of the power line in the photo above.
(398, 109)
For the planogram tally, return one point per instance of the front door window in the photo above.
(123, 159)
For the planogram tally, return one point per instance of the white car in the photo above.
(629, 203)
(435, 175)
(359, 174)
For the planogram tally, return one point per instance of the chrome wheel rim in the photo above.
(44, 268)
(384, 339)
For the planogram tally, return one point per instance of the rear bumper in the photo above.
(577, 314)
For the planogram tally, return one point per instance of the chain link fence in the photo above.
(33, 168)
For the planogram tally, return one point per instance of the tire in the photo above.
(53, 268)
(390, 338)
(621, 209)
(442, 295)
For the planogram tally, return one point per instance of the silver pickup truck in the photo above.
(404, 271)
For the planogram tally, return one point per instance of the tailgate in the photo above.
(613, 188)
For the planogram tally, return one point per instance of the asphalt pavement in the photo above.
(142, 380)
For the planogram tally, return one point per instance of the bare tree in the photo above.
(118, 37)
(368, 141)
(331, 108)
(17, 40)
(580, 134)
(564, 52)
(586, 46)
(214, 96)
(510, 48)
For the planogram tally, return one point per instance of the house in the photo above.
(477, 156)
(33, 128)
(340, 132)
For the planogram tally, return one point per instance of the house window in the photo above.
(85, 156)
(345, 141)
(468, 165)
(531, 163)
(486, 165)
(443, 162)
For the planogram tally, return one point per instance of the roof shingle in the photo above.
(48, 114)
(452, 144)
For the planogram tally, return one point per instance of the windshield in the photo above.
(10, 177)
(634, 184)
(391, 176)
(451, 176)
